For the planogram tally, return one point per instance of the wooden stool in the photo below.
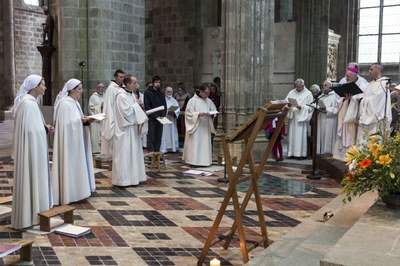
(156, 158)
(45, 216)
(99, 160)
(26, 249)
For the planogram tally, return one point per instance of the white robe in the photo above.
(376, 100)
(197, 149)
(95, 104)
(327, 124)
(298, 121)
(31, 189)
(170, 140)
(72, 178)
(108, 125)
(130, 123)
(348, 117)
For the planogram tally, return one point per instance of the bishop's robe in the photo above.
(31, 189)
(107, 133)
(198, 149)
(95, 105)
(298, 120)
(327, 124)
(130, 123)
(348, 117)
(375, 110)
(170, 139)
(72, 178)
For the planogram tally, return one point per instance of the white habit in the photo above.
(107, 132)
(95, 103)
(72, 178)
(31, 190)
(298, 120)
(197, 149)
(347, 121)
(375, 102)
(130, 123)
(170, 140)
(327, 124)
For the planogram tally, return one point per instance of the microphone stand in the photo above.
(223, 179)
(314, 174)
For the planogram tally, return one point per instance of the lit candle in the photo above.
(215, 262)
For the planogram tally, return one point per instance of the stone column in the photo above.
(248, 65)
(8, 82)
(312, 23)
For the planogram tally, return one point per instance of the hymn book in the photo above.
(98, 117)
(8, 249)
(293, 102)
(215, 112)
(164, 120)
(347, 88)
(72, 230)
(173, 108)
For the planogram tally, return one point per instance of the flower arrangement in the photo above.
(373, 166)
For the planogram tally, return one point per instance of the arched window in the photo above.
(379, 31)
(32, 2)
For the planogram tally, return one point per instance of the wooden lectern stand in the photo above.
(248, 132)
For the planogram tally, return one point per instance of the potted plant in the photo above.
(374, 166)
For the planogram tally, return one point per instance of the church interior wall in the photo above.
(284, 59)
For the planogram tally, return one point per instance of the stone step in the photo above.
(311, 240)
(372, 240)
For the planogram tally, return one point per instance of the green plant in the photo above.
(373, 166)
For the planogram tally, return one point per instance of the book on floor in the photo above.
(72, 230)
(198, 173)
(8, 249)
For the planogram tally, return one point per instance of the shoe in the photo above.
(280, 159)
(291, 157)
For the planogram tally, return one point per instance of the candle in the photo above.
(215, 262)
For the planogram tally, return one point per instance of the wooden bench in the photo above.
(45, 216)
(25, 250)
(103, 161)
(156, 159)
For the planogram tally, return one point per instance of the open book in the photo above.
(173, 108)
(164, 120)
(197, 173)
(72, 230)
(215, 112)
(159, 108)
(8, 249)
(293, 102)
(98, 117)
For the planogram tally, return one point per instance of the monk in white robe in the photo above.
(348, 116)
(130, 123)
(170, 140)
(199, 126)
(72, 178)
(327, 120)
(31, 188)
(95, 107)
(375, 107)
(108, 109)
(298, 120)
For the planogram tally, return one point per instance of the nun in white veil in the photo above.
(31, 188)
(72, 178)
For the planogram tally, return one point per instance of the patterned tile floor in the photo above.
(166, 220)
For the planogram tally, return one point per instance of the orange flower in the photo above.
(365, 163)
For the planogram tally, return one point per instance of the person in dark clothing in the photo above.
(216, 99)
(154, 97)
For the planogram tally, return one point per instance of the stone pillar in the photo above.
(312, 23)
(8, 66)
(248, 66)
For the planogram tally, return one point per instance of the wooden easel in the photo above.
(248, 132)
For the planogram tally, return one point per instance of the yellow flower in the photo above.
(374, 149)
(351, 152)
(373, 139)
(384, 159)
(392, 175)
